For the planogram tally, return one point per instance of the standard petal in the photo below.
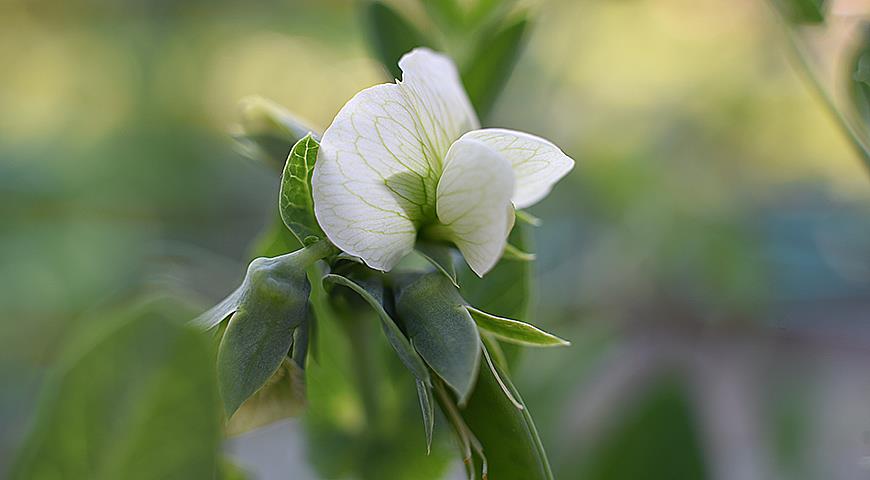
(537, 163)
(474, 202)
(434, 90)
(372, 183)
(377, 170)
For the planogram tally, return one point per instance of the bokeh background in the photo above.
(709, 256)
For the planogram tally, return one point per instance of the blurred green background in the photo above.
(709, 256)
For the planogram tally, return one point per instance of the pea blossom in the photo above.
(409, 158)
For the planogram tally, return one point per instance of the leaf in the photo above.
(345, 439)
(506, 289)
(488, 69)
(527, 218)
(507, 433)
(424, 393)
(441, 330)
(395, 336)
(448, 13)
(513, 253)
(391, 35)
(638, 444)
(283, 396)
(802, 11)
(859, 81)
(217, 314)
(295, 201)
(274, 240)
(136, 400)
(260, 333)
(441, 257)
(515, 331)
(266, 131)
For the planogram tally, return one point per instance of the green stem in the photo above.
(305, 257)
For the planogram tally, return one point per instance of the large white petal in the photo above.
(537, 163)
(474, 202)
(434, 90)
(377, 170)
(370, 180)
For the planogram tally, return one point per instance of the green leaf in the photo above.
(515, 331)
(441, 329)
(507, 433)
(217, 314)
(528, 218)
(506, 290)
(395, 336)
(136, 399)
(260, 333)
(266, 131)
(448, 13)
(427, 405)
(859, 82)
(441, 257)
(283, 396)
(640, 441)
(295, 202)
(513, 253)
(391, 35)
(361, 403)
(802, 11)
(488, 69)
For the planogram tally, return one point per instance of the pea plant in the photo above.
(405, 207)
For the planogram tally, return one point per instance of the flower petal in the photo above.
(377, 171)
(434, 90)
(474, 202)
(537, 163)
(370, 179)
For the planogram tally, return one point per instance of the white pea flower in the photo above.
(409, 157)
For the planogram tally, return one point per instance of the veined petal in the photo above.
(371, 180)
(537, 163)
(474, 202)
(434, 90)
(377, 171)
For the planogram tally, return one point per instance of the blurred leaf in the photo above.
(441, 330)
(448, 13)
(274, 240)
(266, 131)
(641, 445)
(859, 81)
(230, 471)
(295, 202)
(802, 11)
(507, 433)
(488, 69)
(283, 396)
(395, 336)
(515, 331)
(136, 400)
(440, 256)
(260, 333)
(391, 35)
(485, 10)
